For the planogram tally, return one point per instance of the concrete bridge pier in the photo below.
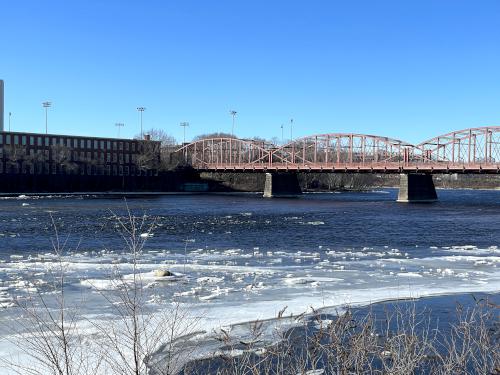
(416, 187)
(281, 184)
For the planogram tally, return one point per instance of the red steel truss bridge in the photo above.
(474, 150)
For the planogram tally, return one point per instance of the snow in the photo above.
(225, 287)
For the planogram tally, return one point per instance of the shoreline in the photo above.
(167, 193)
(439, 309)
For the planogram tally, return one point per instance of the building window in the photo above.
(23, 140)
(32, 140)
(47, 141)
(7, 139)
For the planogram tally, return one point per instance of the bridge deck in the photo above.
(435, 168)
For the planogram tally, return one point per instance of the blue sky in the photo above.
(405, 69)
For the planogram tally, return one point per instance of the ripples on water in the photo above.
(317, 250)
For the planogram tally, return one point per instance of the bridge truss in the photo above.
(475, 150)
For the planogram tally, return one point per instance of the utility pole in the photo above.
(184, 125)
(232, 113)
(141, 110)
(291, 126)
(119, 125)
(46, 105)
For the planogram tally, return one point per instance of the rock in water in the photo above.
(162, 273)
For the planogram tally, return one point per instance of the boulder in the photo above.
(163, 273)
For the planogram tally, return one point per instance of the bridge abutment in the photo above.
(281, 185)
(416, 187)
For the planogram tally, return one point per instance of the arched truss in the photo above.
(344, 149)
(226, 153)
(469, 146)
(476, 150)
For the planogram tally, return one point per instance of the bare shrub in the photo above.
(398, 342)
(47, 330)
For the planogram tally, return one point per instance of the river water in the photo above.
(240, 257)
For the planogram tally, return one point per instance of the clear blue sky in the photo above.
(406, 69)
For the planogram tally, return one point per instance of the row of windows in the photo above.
(95, 144)
(71, 156)
(89, 170)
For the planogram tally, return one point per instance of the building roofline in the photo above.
(75, 136)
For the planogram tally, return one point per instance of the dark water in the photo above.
(246, 221)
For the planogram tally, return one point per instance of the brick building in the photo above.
(55, 154)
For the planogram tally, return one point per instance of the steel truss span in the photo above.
(475, 150)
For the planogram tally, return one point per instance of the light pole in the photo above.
(281, 133)
(119, 125)
(46, 105)
(291, 126)
(141, 109)
(232, 113)
(10, 114)
(184, 125)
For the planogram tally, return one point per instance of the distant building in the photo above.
(51, 154)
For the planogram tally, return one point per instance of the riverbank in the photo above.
(398, 336)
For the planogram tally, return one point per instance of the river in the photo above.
(240, 257)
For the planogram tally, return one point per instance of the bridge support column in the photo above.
(416, 187)
(281, 185)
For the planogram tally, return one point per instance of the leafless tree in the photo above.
(213, 135)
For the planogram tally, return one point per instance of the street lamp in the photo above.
(119, 125)
(141, 109)
(184, 125)
(46, 105)
(281, 133)
(10, 114)
(232, 113)
(291, 126)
